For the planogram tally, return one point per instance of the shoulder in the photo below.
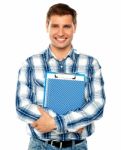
(88, 60)
(36, 56)
(34, 60)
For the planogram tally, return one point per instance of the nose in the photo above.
(60, 31)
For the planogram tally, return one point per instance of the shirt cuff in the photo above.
(60, 123)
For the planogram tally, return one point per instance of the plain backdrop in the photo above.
(23, 33)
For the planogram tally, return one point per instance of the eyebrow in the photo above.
(65, 25)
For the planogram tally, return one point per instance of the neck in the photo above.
(60, 54)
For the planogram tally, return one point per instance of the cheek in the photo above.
(70, 34)
(52, 33)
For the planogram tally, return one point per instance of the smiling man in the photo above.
(50, 131)
(61, 25)
(61, 30)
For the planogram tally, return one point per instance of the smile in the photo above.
(61, 39)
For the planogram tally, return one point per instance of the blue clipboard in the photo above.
(64, 92)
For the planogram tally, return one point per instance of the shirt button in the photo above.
(61, 66)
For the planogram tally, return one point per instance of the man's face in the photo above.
(61, 30)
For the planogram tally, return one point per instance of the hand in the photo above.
(80, 130)
(45, 123)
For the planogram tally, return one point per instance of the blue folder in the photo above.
(64, 92)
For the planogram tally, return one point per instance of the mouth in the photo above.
(60, 40)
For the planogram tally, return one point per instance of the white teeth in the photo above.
(60, 39)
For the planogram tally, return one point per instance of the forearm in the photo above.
(26, 111)
(92, 111)
(84, 117)
(73, 121)
(25, 105)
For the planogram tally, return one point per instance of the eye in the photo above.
(67, 26)
(54, 26)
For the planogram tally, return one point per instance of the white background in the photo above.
(23, 33)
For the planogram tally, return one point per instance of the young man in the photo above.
(50, 131)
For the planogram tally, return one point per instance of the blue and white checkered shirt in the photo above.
(30, 93)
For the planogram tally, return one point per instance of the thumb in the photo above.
(41, 110)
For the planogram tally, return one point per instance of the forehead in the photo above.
(65, 19)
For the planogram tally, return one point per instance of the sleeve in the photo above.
(26, 109)
(93, 110)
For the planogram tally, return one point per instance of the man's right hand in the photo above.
(45, 123)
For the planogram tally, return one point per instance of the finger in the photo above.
(34, 124)
(41, 110)
(80, 130)
(38, 128)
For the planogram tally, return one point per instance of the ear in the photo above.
(47, 24)
(75, 25)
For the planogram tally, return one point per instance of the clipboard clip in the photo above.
(63, 76)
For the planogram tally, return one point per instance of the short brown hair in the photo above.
(61, 9)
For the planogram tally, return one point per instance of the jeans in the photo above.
(36, 144)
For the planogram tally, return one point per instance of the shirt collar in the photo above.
(71, 54)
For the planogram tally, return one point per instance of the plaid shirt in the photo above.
(30, 93)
